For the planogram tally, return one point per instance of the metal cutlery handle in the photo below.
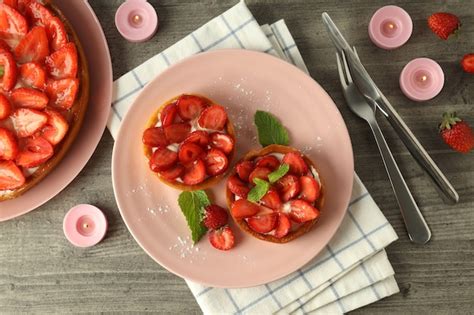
(416, 226)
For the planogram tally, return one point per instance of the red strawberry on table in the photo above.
(11, 177)
(443, 24)
(8, 145)
(215, 217)
(456, 133)
(467, 63)
(222, 238)
(27, 121)
(7, 63)
(33, 47)
(35, 151)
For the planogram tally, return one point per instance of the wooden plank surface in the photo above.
(40, 272)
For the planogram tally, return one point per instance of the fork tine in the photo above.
(342, 77)
(355, 52)
(346, 68)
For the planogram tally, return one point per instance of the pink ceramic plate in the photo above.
(84, 21)
(243, 81)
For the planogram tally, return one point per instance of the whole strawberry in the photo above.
(215, 217)
(467, 63)
(456, 133)
(443, 24)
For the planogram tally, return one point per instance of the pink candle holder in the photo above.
(84, 225)
(421, 79)
(136, 20)
(390, 27)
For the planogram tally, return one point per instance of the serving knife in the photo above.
(374, 96)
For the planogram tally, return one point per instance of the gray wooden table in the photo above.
(41, 272)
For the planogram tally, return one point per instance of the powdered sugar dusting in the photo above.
(184, 248)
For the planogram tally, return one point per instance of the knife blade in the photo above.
(374, 96)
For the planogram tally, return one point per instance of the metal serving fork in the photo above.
(417, 229)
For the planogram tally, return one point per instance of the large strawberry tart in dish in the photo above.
(288, 207)
(44, 91)
(189, 142)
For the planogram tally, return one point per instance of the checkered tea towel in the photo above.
(353, 270)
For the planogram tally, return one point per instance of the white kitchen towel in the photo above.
(353, 270)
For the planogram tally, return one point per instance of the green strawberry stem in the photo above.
(449, 120)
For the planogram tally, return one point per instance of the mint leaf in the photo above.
(259, 190)
(270, 130)
(192, 204)
(278, 173)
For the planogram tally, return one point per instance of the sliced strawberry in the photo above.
(8, 145)
(243, 208)
(263, 223)
(189, 152)
(269, 161)
(168, 114)
(163, 159)
(5, 107)
(173, 172)
(11, 177)
(7, 62)
(213, 117)
(4, 46)
(27, 121)
(57, 34)
(222, 141)
(259, 172)
(12, 23)
(62, 63)
(33, 47)
(154, 137)
(215, 217)
(12, 3)
(35, 151)
(237, 187)
(216, 162)
(283, 225)
(190, 106)
(176, 133)
(30, 98)
(301, 211)
(244, 169)
(195, 173)
(199, 137)
(288, 187)
(297, 164)
(56, 127)
(38, 14)
(222, 239)
(271, 200)
(33, 74)
(62, 93)
(309, 188)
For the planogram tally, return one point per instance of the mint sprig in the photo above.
(274, 176)
(270, 130)
(259, 190)
(192, 204)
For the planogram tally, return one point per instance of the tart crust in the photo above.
(75, 115)
(301, 229)
(208, 182)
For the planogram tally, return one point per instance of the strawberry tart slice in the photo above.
(189, 142)
(275, 194)
(44, 91)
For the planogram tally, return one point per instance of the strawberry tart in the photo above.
(189, 142)
(44, 90)
(289, 204)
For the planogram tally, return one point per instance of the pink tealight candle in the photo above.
(421, 79)
(390, 27)
(136, 20)
(84, 225)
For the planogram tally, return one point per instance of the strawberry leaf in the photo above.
(192, 205)
(274, 176)
(259, 190)
(270, 130)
